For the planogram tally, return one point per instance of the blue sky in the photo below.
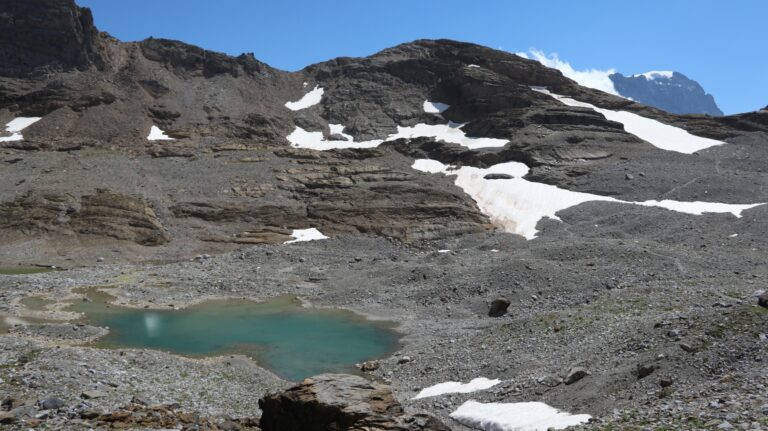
(721, 44)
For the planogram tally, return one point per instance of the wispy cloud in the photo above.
(592, 78)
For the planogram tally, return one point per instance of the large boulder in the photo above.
(340, 402)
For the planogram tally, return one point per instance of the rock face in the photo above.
(340, 402)
(104, 213)
(50, 34)
(670, 91)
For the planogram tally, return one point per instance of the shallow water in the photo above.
(21, 270)
(291, 341)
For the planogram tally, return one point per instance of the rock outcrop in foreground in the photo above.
(340, 402)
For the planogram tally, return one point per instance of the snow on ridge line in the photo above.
(435, 107)
(304, 235)
(310, 99)
(655, 74)
(156, 134)
(477, 384)
(525, 416)
(517, 205)
(15, 126)
(450, 133)
(654, 132)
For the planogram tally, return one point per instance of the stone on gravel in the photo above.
(89, 395)
(645, 370)
(51, 403)
(369, 366)
(498, 307)
(762, 300)
(575, 374)
(340, 402)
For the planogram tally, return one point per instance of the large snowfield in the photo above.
(656, 133)
(517, 205)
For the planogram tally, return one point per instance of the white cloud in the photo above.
(592, 78)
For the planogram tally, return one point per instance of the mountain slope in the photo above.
(670, 91)
(627, 243)
(227, 175)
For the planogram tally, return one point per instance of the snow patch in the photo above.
(698, 207)
(473, 66)
(450, 132)
(526, 416)
(303, 235)
(435, 107)
(439, 251)
(429, 166)
(155, 134)
(310, 99)
(656, 133)
(301, 138)
(655, 74)
(478, 384)
(517, 205)
(15, 126)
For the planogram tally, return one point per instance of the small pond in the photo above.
(292, 341)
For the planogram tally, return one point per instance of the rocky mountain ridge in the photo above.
(671, 91)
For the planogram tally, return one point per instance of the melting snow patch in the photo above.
(303, 235)
(429, 165)
(477, 384)
(516, 205)
(450, 132)
(656, 133)
(530, 416)
(473, 66)
(300, 138)
(310, 99)
(699, 208)
(439, 251)
(16, 126)
(155, 134)
(435, 107)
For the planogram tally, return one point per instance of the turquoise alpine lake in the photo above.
(293, 342)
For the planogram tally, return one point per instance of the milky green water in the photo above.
(291, 341)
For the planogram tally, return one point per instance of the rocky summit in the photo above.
(551, 254)
(667, 90)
